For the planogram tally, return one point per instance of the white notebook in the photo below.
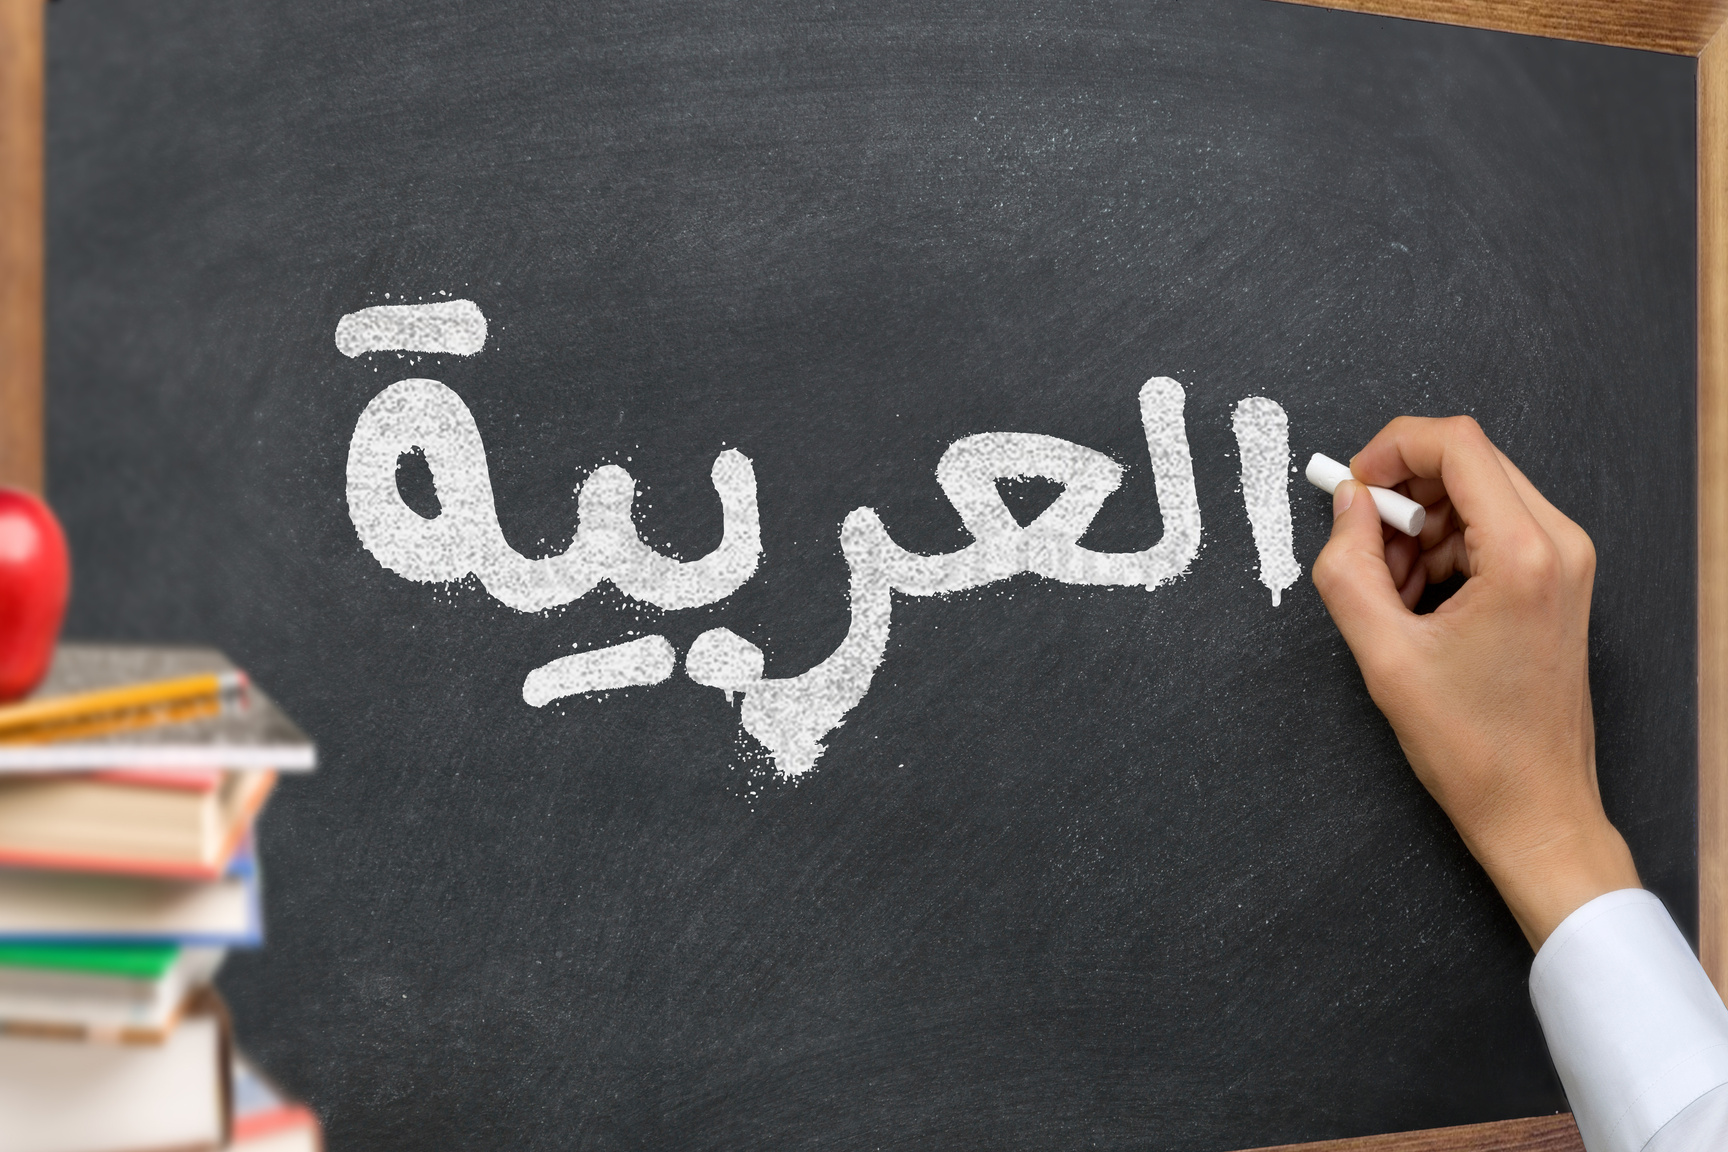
(260, 736)
(81, 906)
(67, 1096)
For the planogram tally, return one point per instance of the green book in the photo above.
(110, 991)
(128, 961)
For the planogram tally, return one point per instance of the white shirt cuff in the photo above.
(1702, 1127)
(1635, 1028)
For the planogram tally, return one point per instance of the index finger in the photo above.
(1454, 451)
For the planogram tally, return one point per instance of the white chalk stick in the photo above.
(1401, 512)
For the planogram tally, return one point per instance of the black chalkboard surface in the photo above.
(1086, 865)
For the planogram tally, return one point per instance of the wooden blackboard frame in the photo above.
(22, 241)
(1684, 27)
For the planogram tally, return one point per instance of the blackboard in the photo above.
(1087, 866)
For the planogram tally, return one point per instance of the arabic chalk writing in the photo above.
(1263, 443)
(792, 716)
(648, 660)
(465, 538)
(455, 327)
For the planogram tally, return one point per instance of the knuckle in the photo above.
(1325, 572)
(1465, 427)
(1534, 559)
(1583, 552)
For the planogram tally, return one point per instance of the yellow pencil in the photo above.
(84, 714)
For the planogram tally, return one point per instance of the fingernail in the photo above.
(1342, 496)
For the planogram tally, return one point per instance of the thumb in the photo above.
(1351, 574)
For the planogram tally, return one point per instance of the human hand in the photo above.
(1489, 695)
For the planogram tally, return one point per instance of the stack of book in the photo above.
(130, 781)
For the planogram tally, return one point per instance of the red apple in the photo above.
(35, 577)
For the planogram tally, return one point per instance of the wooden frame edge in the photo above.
(1555, 1133)
(1680, 27)
(23, 333)
(1713, 510)
(1688, 27)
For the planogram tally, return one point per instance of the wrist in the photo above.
(1546, 882)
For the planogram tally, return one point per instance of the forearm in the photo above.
(1545, 875)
